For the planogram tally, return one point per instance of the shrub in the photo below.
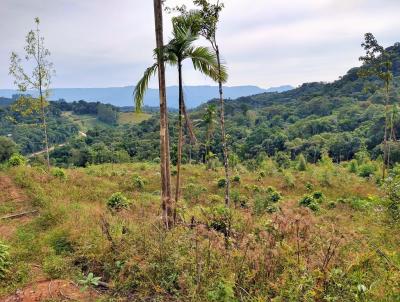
(61, 243)
(282, 159)
(353, 166)
(238, 199)
(117, 202)
(16, 160)
(220, 219)
(55, 266)
(319, 196)
(302, 163)
(267, 203)
(273, 195)
(310, 202)
(138, 182)
(332, 205)
(366, 170)
(213, 198)
(309, 186)
(58, 173)
(236, 178)
(288, 180)
(222, 292)
(221, 183)
(4, 260)
(192, 192)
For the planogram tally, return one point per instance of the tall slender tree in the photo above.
(175, 52)
(167, 206)
(39, 79)
(207, 17)
(377, 63)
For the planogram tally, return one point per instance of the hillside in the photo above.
(342, 118)
(265, 246)
(122, 96)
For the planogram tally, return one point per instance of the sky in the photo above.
(103, 43)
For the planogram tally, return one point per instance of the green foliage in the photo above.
(353, 166)
(236, 179)
(266, 203)
(239, 199)
(117, 202)
(61, 243)
(219, 218)
(58, 173)
(312, 201)
(392, 188)
(222, 292)
(138, 182)
(192, 192)
(89, 280)
(16, 160)
(366, 170)
(5, 260)
(302, 163)
(7, 148)
(221, 183)
(283, 160)
(56, 266)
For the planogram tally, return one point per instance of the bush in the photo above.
(310, 202)
(192, 192)
(273, 195)
(222, 292)
(366, 170)
(319, 196)
(238, 199)
(7, 148)
(61, 243)
(16, 160)
(221, 183)
(4, 260)
(236, 178)
(302, 163)
(267, 203)
(55, 266)
(138, 182)
(220, 219)
(117, 202)
(353, 166)
(58, 173)
(282, 159)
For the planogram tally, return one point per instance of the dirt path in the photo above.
(54, 290)
(12, 200)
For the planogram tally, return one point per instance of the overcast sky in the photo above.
(104, 43)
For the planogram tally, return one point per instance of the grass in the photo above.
(84, 121)
(132, 117)
(214, 253)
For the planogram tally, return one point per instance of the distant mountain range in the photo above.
(122, 96)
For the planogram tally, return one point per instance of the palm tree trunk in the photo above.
(180, 131)
(223, 134)
(166, 199)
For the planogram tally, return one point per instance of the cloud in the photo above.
(97, 43)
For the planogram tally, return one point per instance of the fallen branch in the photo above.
(18, 215)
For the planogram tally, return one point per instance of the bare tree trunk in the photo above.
(223, 134)
(385, 143)
(180, 131)
(166, 199)
(44, 123)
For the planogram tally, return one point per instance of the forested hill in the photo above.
(342, 118)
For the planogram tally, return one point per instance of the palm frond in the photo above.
(142, 86)
(205, 60)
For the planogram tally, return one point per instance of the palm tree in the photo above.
(164, 136)
(175, 52)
